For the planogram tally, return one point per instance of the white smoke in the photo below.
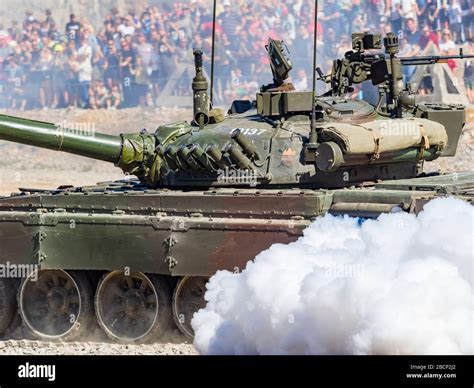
(400, 284)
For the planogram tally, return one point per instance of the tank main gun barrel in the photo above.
(83, 142)
(134, 153)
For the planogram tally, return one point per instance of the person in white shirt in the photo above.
(447, 45)
(84, 70)
(301, 83)
(407, 9)
(127, 27)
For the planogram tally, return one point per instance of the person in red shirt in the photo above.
(427, 37)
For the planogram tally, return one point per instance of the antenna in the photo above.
(213, 53)
(312, 135)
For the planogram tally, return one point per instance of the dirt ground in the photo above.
(19, 341)
(30, 348)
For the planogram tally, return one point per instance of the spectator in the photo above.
(468, 19)
(15, 83)
(331, 46)
(97, 66)
(142, 80)
(44, 66)
(407, 50)
(126, 63)
(126, 27)
(301, 82)
(84, 70)
(427, 37)
(244, 53)
(455, 21)
(447, 45)
(144, 51)
(422, 12)
(412, 33)
(166, 58)
(98, 96)
(72, 29)
(60, 63)
(54, 33)
(146, 23)
(115, 100)
(111, 64)
(432, 14)
(409, 10)
(185, 22)
(228, 20)
(289, 24)
(49, 18)
(15, 31)
(396, 17)
(72, 77)
(5, 48)
(110, 34)
(29, 17)
(331, 15)
(344, 46)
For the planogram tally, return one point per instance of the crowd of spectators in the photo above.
(128, 59)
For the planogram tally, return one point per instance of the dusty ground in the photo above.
(27, 347)
(21, 342)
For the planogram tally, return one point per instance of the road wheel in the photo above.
(56, 305)
(188, 298)
(133, 308)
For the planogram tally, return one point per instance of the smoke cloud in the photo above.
(400, 284)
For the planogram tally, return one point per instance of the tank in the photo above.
(134, 255)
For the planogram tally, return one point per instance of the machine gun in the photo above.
(383, 69)
(433, 59)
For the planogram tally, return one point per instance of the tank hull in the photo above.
(183, 233)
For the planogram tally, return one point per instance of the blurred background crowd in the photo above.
(128, 59)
